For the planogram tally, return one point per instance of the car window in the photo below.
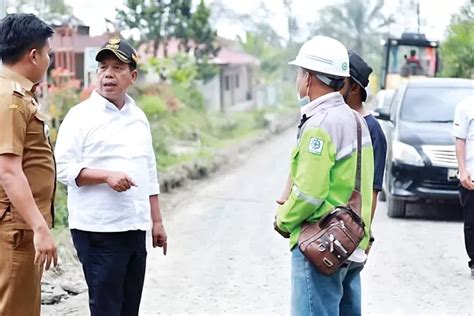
(387, 99)
(432, 104)
(394, 104)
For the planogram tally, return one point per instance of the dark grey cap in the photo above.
(359, 71)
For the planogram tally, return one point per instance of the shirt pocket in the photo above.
(38, 127)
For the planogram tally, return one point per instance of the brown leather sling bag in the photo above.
(330, 241)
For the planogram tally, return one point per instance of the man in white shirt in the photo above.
(463, 130)
(104, 154)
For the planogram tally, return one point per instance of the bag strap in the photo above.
(355, 202)
(359, 154)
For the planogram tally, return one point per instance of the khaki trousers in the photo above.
(20, 278)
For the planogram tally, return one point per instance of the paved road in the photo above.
(224, 257)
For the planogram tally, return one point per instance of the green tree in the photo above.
(457, 50)
(180, 69)
(260, 40)
(161, 21)
(157, 21)
(178, 23)
(57, 6)
(146, 18)
(51, 11)
(257, 45)
(205, 41)
(358, 24)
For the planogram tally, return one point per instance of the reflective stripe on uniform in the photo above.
(306, 198)
(348, 150)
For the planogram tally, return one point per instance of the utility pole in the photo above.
(288, 4)
(418, 14)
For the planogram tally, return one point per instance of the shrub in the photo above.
(152, 105)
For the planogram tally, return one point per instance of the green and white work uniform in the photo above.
(323, 168)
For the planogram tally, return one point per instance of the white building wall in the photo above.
(211, 92)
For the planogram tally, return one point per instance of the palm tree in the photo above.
(356, 23)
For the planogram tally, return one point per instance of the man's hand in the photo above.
(278, 230)
(466, 181)
(160, 239)
(119, 181)
(17, 188)
(45, 248)
(286, 192)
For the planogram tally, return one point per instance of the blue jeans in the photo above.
(313, 293)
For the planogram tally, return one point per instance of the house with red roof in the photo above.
(233, 88)
(235, 85)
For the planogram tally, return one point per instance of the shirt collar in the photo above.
(109, 105)
(325, 101)
(14, 76)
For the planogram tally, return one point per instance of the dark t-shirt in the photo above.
(379, 143)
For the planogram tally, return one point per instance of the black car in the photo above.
(421, 158)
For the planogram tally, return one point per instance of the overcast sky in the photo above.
(436, 14)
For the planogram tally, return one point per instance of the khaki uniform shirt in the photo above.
(23, 132)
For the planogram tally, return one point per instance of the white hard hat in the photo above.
(324, 55)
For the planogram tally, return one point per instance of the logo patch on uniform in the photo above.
(316, 146)
(16, 107)
(114, 41)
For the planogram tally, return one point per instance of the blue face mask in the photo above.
(303, 101)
